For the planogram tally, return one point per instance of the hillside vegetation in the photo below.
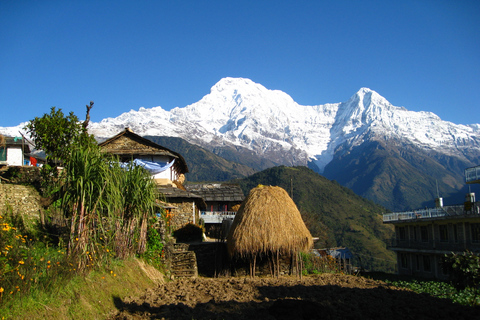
(333, 213)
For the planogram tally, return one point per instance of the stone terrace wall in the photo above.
(21, 174)
(21, 199)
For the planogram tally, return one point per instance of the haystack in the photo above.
(268, 223)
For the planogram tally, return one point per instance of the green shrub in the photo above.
(464, 269)
(439, 289)
(155, 253)
(313, 264)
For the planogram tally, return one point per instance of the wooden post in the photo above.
(278, 263)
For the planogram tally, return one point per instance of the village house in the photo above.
(423, 237)
(222, 203)
(167, 169)
(222, 200)
(14, 151)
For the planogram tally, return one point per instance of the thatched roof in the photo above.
(268, 220)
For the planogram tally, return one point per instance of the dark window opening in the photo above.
(443, 233)
(424, 233)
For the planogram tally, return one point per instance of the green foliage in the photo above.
(56, 134)
(468, 296)
(155, 253)
(26, 264)
(108, 206)
(189, 232)
(464, 269)
(313, 264)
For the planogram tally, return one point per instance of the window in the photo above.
(426, 264)
(402, 233)
(424, 233)
(414, 230)
(455, 232)
(443, 229)
(403, 260)
(475, 232)
(3, 154)
(417, 260)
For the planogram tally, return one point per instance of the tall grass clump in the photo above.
(107, 205)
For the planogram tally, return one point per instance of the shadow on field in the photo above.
(296, 302)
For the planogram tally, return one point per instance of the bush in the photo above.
(464, 269)
(155, 253)
(313, 264)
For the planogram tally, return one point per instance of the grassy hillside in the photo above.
(95, 295)
(333, 213)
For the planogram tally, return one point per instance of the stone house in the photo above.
(167, 168)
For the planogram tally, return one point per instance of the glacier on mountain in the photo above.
(240, 112)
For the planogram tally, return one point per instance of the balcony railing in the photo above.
(217, 216)
(472, 175)
(446, 211)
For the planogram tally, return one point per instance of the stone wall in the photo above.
(21, 200)
(21, 175)
(183, 214)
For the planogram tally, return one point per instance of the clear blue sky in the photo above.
(423, 55)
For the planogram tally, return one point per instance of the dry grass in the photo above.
(268, 221)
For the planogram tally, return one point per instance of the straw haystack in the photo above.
(268, 223)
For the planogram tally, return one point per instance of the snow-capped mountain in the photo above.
(243, 113)
(365, 143)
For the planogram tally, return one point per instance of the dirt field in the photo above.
(325, 296)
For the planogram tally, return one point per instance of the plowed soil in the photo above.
(325, 296)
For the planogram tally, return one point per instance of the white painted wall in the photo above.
(168, 174)
(14, 156)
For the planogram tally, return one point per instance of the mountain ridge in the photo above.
(240, 117)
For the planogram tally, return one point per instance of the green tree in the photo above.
(56, 134)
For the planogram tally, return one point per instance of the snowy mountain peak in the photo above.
(240, 112)
(366, 98)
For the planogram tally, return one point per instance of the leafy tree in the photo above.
(56, 134)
